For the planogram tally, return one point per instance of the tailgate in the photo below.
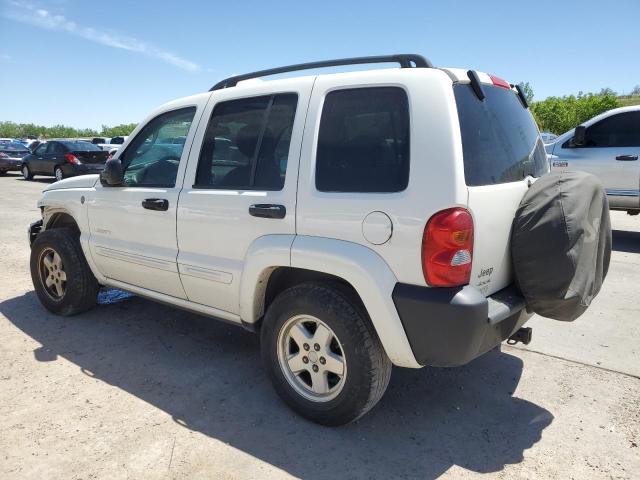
(493, 208)
(502, 155)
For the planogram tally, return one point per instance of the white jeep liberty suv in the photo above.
(356, 220)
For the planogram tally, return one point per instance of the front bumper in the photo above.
(13, 164)
(34, 230)
(447, 327)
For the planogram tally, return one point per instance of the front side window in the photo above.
(246, 145)
(363, 143)
(621, 130)
(41, 150)
(151, 159)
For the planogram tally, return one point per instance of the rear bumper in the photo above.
(7, 164)
(448, 327)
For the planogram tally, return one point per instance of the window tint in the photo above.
(363, 143)
(81, 146)
(621, 130)
(246, 145)
(151, 159)
(41, 150)
(500, 141)
(56, 148)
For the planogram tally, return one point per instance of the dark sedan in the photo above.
(11, 154)
(64, 158)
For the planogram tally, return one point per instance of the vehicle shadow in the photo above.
(625, 241)
(207, 375)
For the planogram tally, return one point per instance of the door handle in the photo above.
(267, 210)
(160, 204)
(627, 158)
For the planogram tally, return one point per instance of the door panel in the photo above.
(611, 150)
(133, 227)
(245, 156)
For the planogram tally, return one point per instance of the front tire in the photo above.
(26, 173)
(323, 355)
(61, 276)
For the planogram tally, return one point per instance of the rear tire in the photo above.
(313, 311)
(61, 276)
(26, 173)
(58, 173)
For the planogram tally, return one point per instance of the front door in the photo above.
(611, 152)
(133, 227)
(240, 186)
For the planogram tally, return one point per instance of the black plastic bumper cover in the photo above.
(34, 230)
(447, 327)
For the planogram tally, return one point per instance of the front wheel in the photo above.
(26, 173)
(323, 355)
(61, 276)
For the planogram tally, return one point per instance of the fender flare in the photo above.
(358, 265)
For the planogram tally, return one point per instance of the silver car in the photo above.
(608, 147)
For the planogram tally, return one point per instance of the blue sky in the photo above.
(86, 64)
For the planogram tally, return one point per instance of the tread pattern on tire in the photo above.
(337, 299)
(83, 286)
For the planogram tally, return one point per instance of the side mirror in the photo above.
(579, 136)
(113, 174)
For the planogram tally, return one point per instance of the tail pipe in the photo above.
(522, 335)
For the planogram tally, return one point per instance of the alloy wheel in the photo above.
(312, 358)
(52, 274)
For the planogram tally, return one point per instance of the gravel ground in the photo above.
(135, 389)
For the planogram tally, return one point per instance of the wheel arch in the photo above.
(274, 264)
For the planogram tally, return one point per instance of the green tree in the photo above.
(560, 114)
(119, 130)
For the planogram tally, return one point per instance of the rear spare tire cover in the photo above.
(561, 244)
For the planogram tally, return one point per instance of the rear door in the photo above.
(240, 186)
(611, 153)
(503, 154)
(55, 156)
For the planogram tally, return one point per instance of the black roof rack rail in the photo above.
(405, 61)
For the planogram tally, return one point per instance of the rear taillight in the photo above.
(71, 158)
(498, 82)
(447, 248)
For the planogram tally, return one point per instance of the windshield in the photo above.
(500, 139)
(80, 146)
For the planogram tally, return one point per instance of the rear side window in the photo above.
(363, 143)
(246, 145)
(621, 130)
(500, 139)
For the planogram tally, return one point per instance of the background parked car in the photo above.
(548, 137)
(11, 154)
(607, 146)
(64, 158)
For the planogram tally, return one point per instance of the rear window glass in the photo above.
(81, 146)
(13, 146)
(363, 143)
(500, 139)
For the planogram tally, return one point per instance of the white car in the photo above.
(607, 146)
(356, 220)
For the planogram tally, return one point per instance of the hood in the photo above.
(82, 181)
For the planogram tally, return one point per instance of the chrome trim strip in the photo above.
(623, 193)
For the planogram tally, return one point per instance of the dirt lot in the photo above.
(134, 389)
